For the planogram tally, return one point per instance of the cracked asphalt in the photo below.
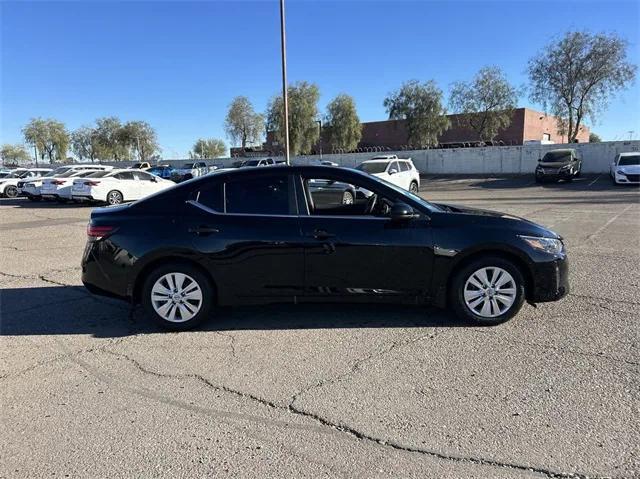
(92, 389)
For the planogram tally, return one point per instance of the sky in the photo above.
(178, 64)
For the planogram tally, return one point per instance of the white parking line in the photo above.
(604, 226)
(597, 178)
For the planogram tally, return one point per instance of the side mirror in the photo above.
(393, 171)
(402, 212)
(154, 179)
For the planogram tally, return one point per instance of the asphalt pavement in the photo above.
(89, 388)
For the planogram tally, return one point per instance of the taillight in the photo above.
(92, 183)
(99, 232)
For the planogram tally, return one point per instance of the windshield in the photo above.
(629, 160)
(189, 165)
(59, 171)
(555, 156)
(67, 174)
(373, 167)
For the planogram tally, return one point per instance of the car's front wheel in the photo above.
(177, 296)
(413, 188)
(11, 191)
(488, 291)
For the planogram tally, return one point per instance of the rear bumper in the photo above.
(550, 281)
(102, 273)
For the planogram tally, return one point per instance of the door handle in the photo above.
(322, 235)
(203, 230)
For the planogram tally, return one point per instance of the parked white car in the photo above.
(401, 172)
(9, 184)
(118, 186)
(190, 170)
(31, 188)
(625, 170)
(258, 162)
(59, 188)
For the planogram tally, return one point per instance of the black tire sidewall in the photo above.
(14, 191)
(456, 296)
(177, 267)
(413, 183)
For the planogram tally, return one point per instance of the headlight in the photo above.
(566, 167)
(548, 245)
(620, 172)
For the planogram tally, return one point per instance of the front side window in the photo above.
(125, 175)
(211, 195)
(328, 197)
(267, 195)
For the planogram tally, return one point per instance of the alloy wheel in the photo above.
(176, 297)
(490, 292)
(413, 188)
(114, 198)
(11, 191)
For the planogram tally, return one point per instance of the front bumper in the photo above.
(549, 173)
(623, 179)
(550, 280)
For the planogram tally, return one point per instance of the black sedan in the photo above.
(260, 235)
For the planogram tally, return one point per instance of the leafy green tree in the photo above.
(50, 137)
(243, 125)
(303, 114)
(342, 124)
(486, 103)
(594, 138)
(140, 137)
(208, 148)
(14, 154)
(421, 106)
(576, 76)
(111, 141)
(84, 143)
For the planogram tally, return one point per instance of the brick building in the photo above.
(526, 125)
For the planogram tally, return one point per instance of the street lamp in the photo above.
(285, 98)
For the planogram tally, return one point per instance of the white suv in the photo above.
(400, 172)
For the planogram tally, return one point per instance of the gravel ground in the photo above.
(91, 389)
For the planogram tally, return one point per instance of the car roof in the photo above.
(562, 150)
(630, 153)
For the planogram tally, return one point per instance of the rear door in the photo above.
(246, 229)
(127, 184)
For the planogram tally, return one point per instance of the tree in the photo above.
(208, 148)
(486, 103)
(84, 143)
(421, 106)
(140, 137)
(303, 114)
(342, 125)
(49, 137)
(576, 76)
(243, 125)
(14, 154)
(111, 142)
(594, 138)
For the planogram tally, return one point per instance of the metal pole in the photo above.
(285, 97)
(319, 122)
(35, 154)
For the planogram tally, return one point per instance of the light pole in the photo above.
(319, 122)
(285, 98)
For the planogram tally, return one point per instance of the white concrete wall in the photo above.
(491, 160)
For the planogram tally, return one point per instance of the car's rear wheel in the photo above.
(347, 198)
(488, 291)
(177, 296)
(114, 197)
(11, 191)
(413, 188)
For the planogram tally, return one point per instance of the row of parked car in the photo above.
(106, 184)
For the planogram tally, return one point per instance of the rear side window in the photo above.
(266, 195)
(211, 196)
(125, 175)
(404, 166)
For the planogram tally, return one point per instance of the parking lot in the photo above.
(92, 389)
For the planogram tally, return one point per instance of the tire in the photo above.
(195, 310)
(11, 191)
(347, 198)
(501, 307)
(539, 179)
(413, 188)
(114, 197)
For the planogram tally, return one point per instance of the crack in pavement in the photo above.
(232, 342)
(339, 427)
(358, 364)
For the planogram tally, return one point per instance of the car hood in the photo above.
(629, 169)
(527, 226)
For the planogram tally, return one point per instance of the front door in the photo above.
(248, 234)
(357, 251)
